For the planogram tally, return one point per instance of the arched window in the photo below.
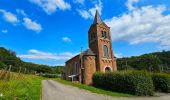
(70, 70)
(104, 34)
(107, 69)
(76, 68)
(106, 51)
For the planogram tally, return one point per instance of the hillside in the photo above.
(158, 61)
(8, 57)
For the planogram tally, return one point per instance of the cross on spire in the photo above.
(97, 18)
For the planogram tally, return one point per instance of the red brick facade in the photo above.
(99, 56)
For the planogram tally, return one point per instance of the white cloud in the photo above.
(4, 31)
(20, 11)
(9, 17)
(59, 64)
(66, 39)
(31, 25)
(90, 13)
(27, 22)
(85, 14)
(130, 4)
(79, 1)
(118, 55)
(40, 55)
(50, 6)
(142, 25)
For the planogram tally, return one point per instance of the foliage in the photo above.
(58, 69)
(2, 65)
(154, 62)
(51, 75)
(8, 57)
(161, 82)
(131, 82)
(93, 89)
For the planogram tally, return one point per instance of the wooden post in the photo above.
(10, 68)
(166, 67)
(25, 71)
(19, 70)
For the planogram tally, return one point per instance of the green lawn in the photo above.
(21, 87)
(93, 89)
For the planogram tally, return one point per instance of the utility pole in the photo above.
(115, 58)
(81, 57)
(81, 66)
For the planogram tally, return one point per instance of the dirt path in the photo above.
(52, 90)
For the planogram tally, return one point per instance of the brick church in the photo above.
(98, 57)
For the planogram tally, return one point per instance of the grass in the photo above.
(93, 89)
(21, 87)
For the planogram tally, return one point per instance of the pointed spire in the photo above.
(97, 18)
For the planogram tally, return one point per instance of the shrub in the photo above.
(132, 82)
(161, 82)
(51, 75)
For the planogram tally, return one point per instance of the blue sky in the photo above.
(52, 31)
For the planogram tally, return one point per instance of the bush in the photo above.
(161, 82)
(51, 75)
(132, 82)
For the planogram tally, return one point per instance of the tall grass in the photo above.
(19, 86)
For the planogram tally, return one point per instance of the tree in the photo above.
(58, 69)
(2, 65)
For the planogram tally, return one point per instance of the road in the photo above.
(52, 90)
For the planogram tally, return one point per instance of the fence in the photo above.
(14, 86)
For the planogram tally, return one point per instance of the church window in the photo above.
(76, 68)
(104, 34)
(106, 51)
(70, 70)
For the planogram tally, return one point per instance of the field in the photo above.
(15, 86)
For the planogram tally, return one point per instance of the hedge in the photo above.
(132, 82)
(50, 75)
(161, 82)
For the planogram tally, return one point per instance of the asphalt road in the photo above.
(52, 90)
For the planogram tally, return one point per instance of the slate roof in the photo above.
(88, 52)
(97, 18)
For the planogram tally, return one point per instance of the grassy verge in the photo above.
(93, 89)
(21, 87)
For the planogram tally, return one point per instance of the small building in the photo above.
(98, 57)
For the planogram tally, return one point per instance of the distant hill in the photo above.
(158, 61)
(8, 57)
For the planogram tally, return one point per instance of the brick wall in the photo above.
(90, 68)
(70, 65)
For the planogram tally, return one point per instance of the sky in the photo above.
(52, 31)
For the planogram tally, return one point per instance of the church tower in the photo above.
(101, 44)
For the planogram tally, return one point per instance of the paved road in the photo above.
(52, 90)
